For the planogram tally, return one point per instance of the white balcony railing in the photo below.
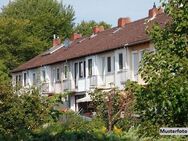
(93, 80)
(123, 76)
(45, 87)
(67, 85)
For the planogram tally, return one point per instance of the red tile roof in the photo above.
(132, 33)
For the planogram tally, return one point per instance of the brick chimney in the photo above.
(155, 11)
(98, 29)
(75, 36)
(101, 28)
(123, 21)
(56, 41)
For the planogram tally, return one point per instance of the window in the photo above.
(120, 61)
(81, 70)
(84, 68)
(25, 79)
(43, 75)
(141, 54)
(90, 67)
(109, 64)
(20, 79)
(65, 71)
(16, 79)
(34, 79)
(57, 74)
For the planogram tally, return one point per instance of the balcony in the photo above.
(122, 76)
(45, 87)
(93, 81)
(67, 86)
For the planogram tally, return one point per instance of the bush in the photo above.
(21, 113)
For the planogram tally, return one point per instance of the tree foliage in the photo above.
(86, 28)
(27, 28)
(46, 17)
(112, 104)
(164, 99)
(21, 114)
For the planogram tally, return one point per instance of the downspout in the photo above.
(127, 59)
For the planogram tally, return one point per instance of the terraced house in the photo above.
(80, 64)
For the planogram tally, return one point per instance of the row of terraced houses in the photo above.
(81, 64)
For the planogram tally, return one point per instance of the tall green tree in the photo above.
(164, 100)
(86, 28)
(16, 44)
(27, 28)
(46, 17)
(22, 113)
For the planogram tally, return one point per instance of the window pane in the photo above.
(57, 74)
(44, 75)
(120, 61)
(90, 67)
(25, 78)
(109, 64)
(81, 71)
(66, 71)
(34, 79)
(16, 79)
(84, 68)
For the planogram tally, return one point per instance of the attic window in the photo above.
(52, 50)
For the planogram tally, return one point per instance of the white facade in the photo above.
(81, 75)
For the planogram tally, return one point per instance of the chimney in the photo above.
(123, 21)
(101, 28)
(56, 41)
(75, 36)
(155, 11)
(98, 29)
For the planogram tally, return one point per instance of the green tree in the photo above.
(46, 17)
(110, 105)
(22, 113)
(86, 28)
(164, 100)
(16, 44)
(27, 28)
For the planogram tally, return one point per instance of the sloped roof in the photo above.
(132, 33)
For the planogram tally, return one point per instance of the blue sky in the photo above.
(107, 10)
